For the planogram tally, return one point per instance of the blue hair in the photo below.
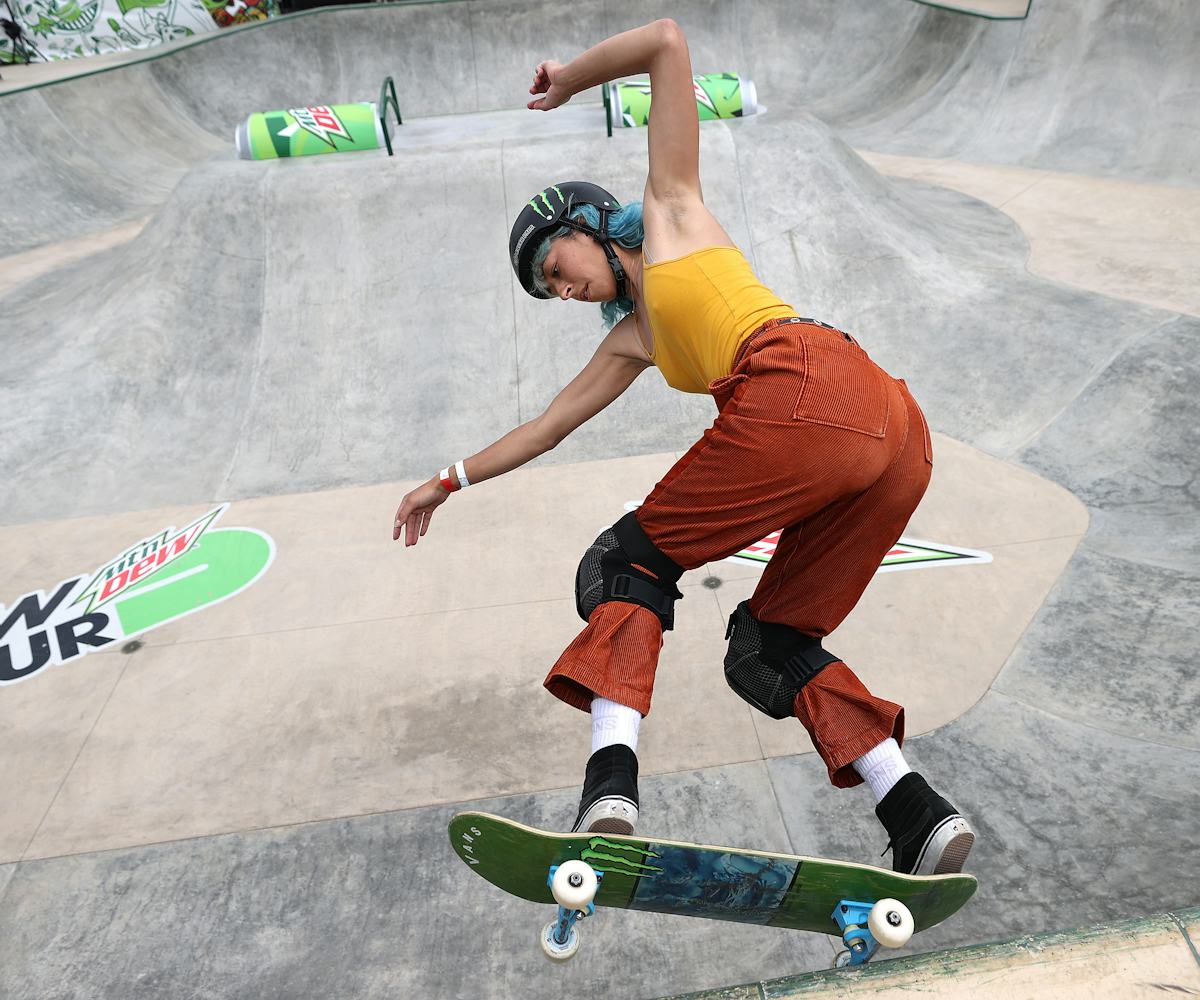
(624, 226)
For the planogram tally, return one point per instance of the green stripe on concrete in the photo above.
(1185, 919)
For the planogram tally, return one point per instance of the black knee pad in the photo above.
(607, 573)
(767, 664)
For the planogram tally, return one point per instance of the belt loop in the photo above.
(768, 325)
(771, 324)
(745, 346)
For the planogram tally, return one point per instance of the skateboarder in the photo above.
(812, 438)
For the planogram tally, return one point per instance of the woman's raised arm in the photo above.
(660, 49)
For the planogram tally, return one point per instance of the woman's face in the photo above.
(576, 268)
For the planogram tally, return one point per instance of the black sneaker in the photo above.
(928, 836)
(610, 797)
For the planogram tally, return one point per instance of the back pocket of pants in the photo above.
(843, 388)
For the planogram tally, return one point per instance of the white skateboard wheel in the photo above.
(891, 923)
(574, 885)
(559, 952)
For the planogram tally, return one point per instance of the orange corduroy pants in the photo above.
(814, 438)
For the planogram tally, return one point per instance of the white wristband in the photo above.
(462, 474)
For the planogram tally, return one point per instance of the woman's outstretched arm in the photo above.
(660, 49)
(610, 372)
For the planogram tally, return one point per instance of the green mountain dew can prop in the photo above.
(334, 128)
(718, 95)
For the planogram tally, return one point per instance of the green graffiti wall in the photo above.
(67, 29)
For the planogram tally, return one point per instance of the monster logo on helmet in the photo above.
(551, 208)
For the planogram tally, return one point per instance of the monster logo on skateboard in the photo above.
(864, 905)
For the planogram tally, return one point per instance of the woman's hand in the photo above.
(548, 80)
(416, 510)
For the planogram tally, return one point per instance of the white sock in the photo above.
(614, 723)
(882, 767)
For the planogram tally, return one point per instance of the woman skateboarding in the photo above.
(812, 437)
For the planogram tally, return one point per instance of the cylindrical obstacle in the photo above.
(306, 131)
(718, 95)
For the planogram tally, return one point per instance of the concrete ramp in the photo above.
(1086, 85)
(1130, 960)
(252, 799)
(263, 293)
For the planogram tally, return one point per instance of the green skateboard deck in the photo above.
(721, 883)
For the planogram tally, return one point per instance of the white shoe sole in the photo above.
(947, 848)
(608, 815)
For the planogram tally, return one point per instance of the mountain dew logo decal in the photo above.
(717, 95)
(321, 122)
(703, 98)
(143, 560)
(907, 553)
(166, 576)
(912, 553)
(610, 857)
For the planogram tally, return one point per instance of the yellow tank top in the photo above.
(701, 307)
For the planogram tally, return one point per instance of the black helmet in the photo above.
(549, 209)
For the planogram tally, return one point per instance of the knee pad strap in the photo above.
(637, 545)
(767, 664)
(625, 582)
(607, 573)
(797, 656)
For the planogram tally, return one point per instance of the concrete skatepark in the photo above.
(252, 800)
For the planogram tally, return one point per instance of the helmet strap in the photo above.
(613, 260)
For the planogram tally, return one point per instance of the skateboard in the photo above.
(866, 906)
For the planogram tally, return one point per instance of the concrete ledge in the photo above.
(1145, 957)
